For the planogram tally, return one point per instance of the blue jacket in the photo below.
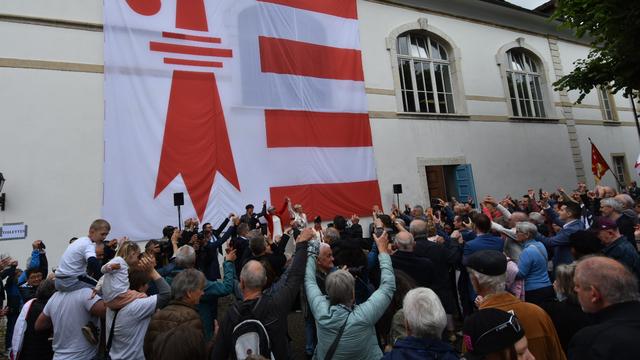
(622, 251)
(532, 266)
(561, 240)
(413, 348)
(482, 242)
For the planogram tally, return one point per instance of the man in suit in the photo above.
(419, 268)
(484, 240)
(568, 216)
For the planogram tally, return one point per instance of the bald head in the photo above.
(626, 201)
(517, 217)
(609, 191)
(418, 227)
(601, 282)
(404, 241)
(253, 276)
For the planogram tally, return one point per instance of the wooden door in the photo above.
(436, 182)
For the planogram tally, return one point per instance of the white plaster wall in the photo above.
(507, 158)
(75, 10)
(51, 154)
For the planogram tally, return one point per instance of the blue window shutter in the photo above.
(464, 183)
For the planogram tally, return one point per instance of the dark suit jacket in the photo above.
(420, 268)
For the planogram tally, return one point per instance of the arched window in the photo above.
(524, 83)
(425, 77)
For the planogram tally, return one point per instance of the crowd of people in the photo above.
(543, 276)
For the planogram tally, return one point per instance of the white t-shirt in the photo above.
(74, 260)
(130, 328)
(115, 282)
(277, 226)
(69, 312)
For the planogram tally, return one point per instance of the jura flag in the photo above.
(599, 165)
(233, 102)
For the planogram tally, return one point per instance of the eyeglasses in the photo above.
(513, 322)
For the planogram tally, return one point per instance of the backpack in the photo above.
(249, 336)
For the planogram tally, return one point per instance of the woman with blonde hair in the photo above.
(566, 314)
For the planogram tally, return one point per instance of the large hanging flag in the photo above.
(233, 102)
(599, 165)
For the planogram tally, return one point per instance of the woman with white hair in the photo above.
(346, 331)
(532, 265)
(424, 322)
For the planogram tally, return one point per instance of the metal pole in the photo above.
(179, 220)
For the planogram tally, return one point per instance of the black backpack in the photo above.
(249, 336)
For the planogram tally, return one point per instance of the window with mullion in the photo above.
(524, 85)
(425, 77)
(605, 103)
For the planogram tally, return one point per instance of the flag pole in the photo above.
(608, 167)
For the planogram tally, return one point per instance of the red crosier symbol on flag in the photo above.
(196, 144)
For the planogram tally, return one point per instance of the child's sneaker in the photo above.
(90, 332)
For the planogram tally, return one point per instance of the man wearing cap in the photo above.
(493, 333)
(614, 210)
(487, 271)
(609, 291)
(616, 245)
(251, 218)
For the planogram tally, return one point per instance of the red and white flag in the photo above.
(233, 102)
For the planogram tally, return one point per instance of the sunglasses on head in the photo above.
(512, 322)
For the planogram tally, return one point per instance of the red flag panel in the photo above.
(291, 57)
(329, 200)
(291, 128)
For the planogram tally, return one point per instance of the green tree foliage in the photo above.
(613, 27)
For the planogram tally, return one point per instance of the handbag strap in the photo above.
(334, 345)
(113, 326)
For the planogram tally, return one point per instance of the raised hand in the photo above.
(230, 254)
(306, 235)
(382, 242)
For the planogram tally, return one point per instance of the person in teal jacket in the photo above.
(186, 259)
(358, 339)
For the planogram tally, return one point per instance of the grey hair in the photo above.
(419, 208)
(493, 284)
(187, 280)
(332, 235)
(626, 200)
(424, 313)
(257, 242)
(527, 228)
(613, 203)
(418, 227)
(253, 275)
(404, 240)
(186, 257)
(324, 245)
(536, 218)
(615, 282)
(340, 286)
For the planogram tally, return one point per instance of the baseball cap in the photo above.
(488, 262)
(490, 330)
(603, 223)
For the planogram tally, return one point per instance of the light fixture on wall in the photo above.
(2, 195)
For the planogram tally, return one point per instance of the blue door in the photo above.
(464, 183)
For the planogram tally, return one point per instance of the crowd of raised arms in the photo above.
(541, 276)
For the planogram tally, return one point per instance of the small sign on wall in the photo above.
(13, 231)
